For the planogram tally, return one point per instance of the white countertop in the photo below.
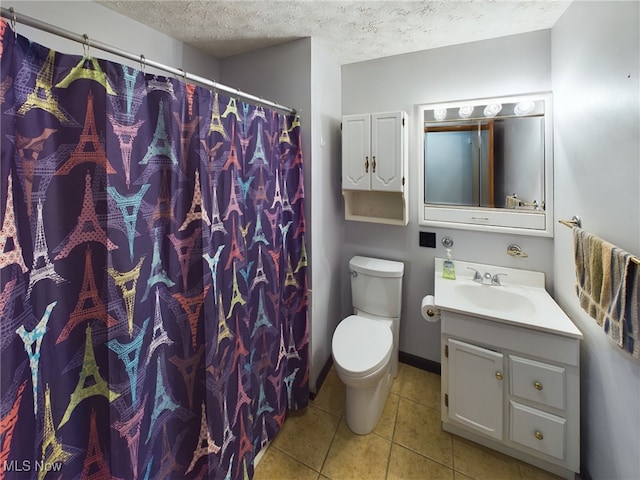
(542, 314)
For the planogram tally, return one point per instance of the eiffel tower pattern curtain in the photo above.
(153, 296)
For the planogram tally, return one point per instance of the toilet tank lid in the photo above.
(376, 266)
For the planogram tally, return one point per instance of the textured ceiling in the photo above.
(350, 31)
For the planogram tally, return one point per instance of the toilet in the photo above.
(365, 344)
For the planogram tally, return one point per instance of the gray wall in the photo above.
(505, 66)
(595, 64)
(327, 217)
(106, 26)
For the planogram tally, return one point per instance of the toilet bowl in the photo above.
(365, 345)
(363, 364)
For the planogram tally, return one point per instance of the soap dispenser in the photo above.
(448, 268)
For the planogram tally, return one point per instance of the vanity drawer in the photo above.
(538, 382)
(538, 430)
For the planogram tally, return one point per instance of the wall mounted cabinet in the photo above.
(374, 167)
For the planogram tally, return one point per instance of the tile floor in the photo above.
(408, 442)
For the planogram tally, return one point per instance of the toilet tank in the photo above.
(376, 286)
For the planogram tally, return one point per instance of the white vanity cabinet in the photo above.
(513, 389)
(374, 167)
(475, 373)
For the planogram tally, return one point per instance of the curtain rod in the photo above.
(11, 15)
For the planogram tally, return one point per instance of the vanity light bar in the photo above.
(491, 110)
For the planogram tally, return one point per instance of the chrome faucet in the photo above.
(476, 276)
(487, 278)
(495, 280)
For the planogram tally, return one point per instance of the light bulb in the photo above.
(524, 108)
(465, 112)
(492, 110)
(440, 113)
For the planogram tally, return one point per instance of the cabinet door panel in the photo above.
(539, 430)
(356, 152)
(537, 381)
(386, 152)
(476, 388)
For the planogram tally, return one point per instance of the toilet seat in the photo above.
(361, 346)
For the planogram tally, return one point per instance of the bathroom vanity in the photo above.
(510, 365)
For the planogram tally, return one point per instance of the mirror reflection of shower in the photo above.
(486, 155)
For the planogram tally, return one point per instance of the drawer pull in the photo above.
(499, 375)
(539, 435)
(538, 386)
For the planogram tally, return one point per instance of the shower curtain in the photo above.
(153, 291)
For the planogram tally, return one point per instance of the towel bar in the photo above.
(576, 222)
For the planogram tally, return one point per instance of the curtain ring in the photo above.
(143, 63)
(13, 21)
(86, 46)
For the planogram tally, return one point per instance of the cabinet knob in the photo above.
(538, 386)
(539, 435)
(499, 375)
(373, 164)
(366, 164)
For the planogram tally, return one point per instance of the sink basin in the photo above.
(496, 298)
(521, 300)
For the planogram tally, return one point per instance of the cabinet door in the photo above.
(356, 152)
(476, 387)
(387, 147)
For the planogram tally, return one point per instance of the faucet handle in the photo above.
(476, 276)
(495, 280)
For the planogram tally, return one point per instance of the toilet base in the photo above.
(364, 405)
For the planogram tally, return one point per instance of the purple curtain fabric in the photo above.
(153, 294)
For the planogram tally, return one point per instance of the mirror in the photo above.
(487, 164)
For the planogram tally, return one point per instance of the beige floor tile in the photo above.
(331, 397)
(421, 386)
(387, 421)
(483, 463)
(418, 428)
(396, 385)
(277, 465)
(460, 476)
(356, 457)
(307, 435)
(405, 464)
(529, 472)
(407, 443)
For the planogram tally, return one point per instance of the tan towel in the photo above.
(604, 288)
(588, 259)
